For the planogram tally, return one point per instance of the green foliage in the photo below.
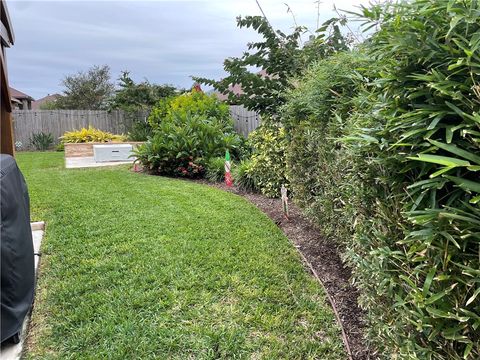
(243, 149)
(190, 128)
(280, 57)
(60, 147)
(88, 90)
(133, 96)
(90, 135)
(243, 177)
(215, 169)
(422, 241)
(317, 161)
(182, 139)
(137, 100)
(267, 163)
(389, 166)
(49, 105)
(41, 141)
(140, 131)
(193, 103)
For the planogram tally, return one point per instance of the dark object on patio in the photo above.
(17, 261)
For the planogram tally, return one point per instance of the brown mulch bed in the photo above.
(323, 256)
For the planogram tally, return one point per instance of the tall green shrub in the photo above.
(193, 103)
(315, 117)
(188, 131)
(402, 154)
(417, 254)
(267, 165)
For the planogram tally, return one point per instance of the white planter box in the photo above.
(114, 152)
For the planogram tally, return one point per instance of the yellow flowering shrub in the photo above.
(90, 135)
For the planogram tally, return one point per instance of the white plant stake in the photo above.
(283, 191)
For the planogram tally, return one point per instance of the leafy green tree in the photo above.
(136, 100)
(280, 57)
(88, 90)
(139, 96)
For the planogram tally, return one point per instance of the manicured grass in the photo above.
(143, 267)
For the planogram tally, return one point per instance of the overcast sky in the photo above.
(163, 41)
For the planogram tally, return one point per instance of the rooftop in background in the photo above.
(20, 100)
(236, 89)
(46, 99)
(14, 93)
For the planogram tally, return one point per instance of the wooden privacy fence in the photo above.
(245, 121)
(57, 122)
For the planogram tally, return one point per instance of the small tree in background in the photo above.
(49, 105)
(136, 100)
(139, 96)
(88, 90)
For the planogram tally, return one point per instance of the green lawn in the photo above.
(143, 267)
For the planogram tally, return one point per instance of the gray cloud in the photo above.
(163, 41)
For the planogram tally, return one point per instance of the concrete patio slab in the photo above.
(88, 161)
(14, 351)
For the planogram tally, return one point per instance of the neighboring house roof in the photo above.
(49, 98)
(14, 93)
(236, 89)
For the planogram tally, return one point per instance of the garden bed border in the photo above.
(86, 149)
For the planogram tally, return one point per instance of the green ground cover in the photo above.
(142, 267)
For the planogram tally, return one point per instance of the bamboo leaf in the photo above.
(465, 184)
(473, 297)
(441, 160)
(436, 313)
(457, 151)
(459, 217)
(441, 171)
(428, 281)
(468, 350)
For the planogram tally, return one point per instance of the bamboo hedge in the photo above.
(401, 149)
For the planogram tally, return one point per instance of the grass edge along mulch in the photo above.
(264, 306)
(323, 256)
